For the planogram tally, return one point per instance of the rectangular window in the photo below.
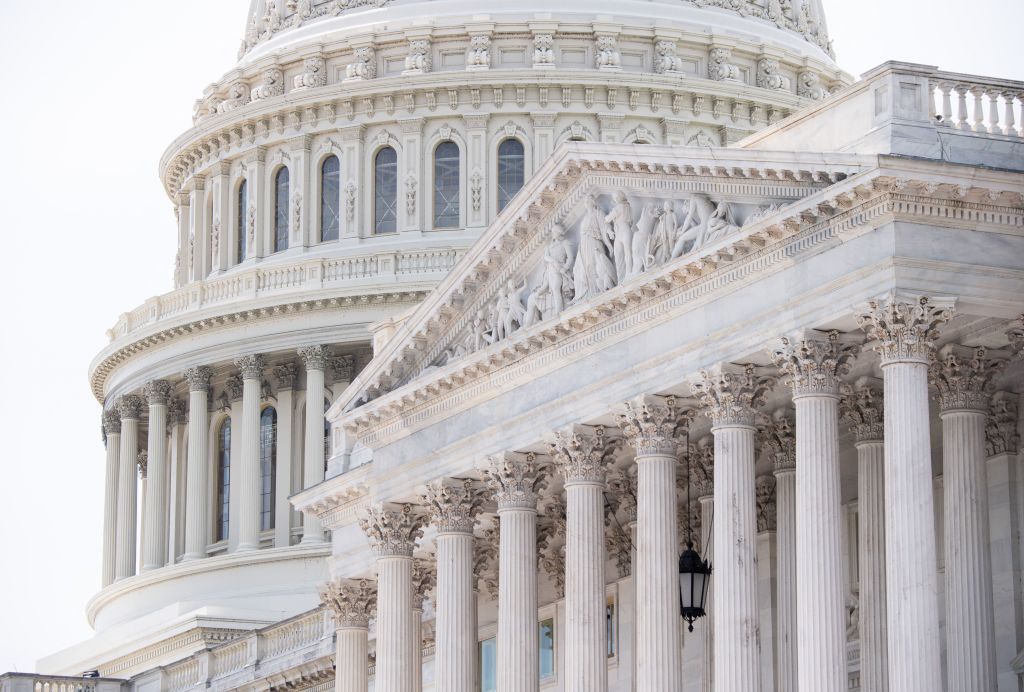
(611, 626)
(488, 665)
(547, 649)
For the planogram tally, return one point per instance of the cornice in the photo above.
(337, 501)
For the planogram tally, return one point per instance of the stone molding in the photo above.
(731, 394)
(962, 378)
(453, 504)
(862, 409)
(392, 529)
(815, 361)
(516, 480)
(905, 329)
(353, 602)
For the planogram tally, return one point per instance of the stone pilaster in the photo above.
(112, 435)
(247, 473)
(196, 485)
(861, 408)
(424, 581)
(393, 531)
(579, 456)
(352, 603)
(814, 361)
(154, 543)
(454, 505)
(962, 378)
(904, 332)
(315, 359)
(516, 479)
(650, 426)
(730, 395)
(130, 409)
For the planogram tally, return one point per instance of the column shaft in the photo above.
(737, 659)
(417, 651)
(197, 476)
(586, 637)
(821, 609)
(518, 634)
(154, 544)
(110, 507)
(707, 519)
(248, 473)
(127, 498)
(313, 463)
(395, 653)
(970, 618)
(456, 631)
(659, 649)
(351, 660)
(871, 550)
(910, 575)
(785, 503)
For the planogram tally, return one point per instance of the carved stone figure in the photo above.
(271, 20)
(543, 54)
(608, 57)
(768, 76)
(313, 76)
(272, 85)
(479, 57)
(363, 65)
(238, 95)
(508, 312)
(215, 242)
(666, 60)
(719, 67)
(418, 59)
(558, 268)
(621, 220)
(665, 234)
(643, 257)
(480, 334)
(705, 222)
(809, 86)
(593, 271)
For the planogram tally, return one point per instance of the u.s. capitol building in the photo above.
(483, 315)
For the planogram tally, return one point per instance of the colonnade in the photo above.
(162, 415)
(900, 647)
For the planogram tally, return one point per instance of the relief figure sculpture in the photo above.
(621, 220)
(593, 271)
(643, 239)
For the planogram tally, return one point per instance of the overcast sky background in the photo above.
(93, 93)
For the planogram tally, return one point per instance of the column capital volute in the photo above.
(454, 504)
(814, 361)
(392, 528)
(777, 433)
(286, 375)
(198, 378)
(129, 407)
(731, 394)
(352, 601)
(250, 365)
(157, 392)
(516, 480)
(652, 425)
(315, 357)
(862, 409)
(424, 580)
(962, 377)
(111, 422)
(580, 453)
(1001, 435)
(905, 327)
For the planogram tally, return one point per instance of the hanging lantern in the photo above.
(694, 579)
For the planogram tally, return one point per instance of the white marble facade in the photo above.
(421, 414)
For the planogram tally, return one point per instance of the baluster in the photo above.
(979, 113)
(947, 106)
(1010, 110)
(961, 107)
(993, 113)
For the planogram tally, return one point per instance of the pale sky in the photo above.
(90, 99)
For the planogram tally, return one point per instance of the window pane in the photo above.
(330, 199)
(327, 435)
(223, 479)
(488, 665)
(281, 210)
(243, 220)
(268, 467)
(611, 625)
(385, 189)
(511, 170)
(547, 648)
(446, 185)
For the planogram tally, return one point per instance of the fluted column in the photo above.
(352, 602)
(704, 485)
(112, 431)
(579, 456)
(649, 426)
(129, 408)
(247, 475)
(315, 360)
(453, 505)
(424, 581)
(516, 480)
(196, 483)
(963, 379)
(154, 543)
(813, 362)
(862, 409)
(730, 395)
(904, 332)
(779, 441)
(393, 530)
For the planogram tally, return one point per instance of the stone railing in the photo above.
(245, 285)
(978, 104)
(27, 682)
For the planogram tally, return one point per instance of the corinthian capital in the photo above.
(453, 504)
(622, 486)
(143, 462)
(157, 392)
(778, 437)
(814, 361)
(352, 601)
(176, 413)
(765, 498)
(251, 366)
(861, 408)
(424, 581)
(315, 357)
(286, 375)
(516, 479)
(393, 529)
(651, 425)
(1001, 430)
(111, 422)
(962, 377)
(198, 378)
(905, 330)
(130, 407)
(702, 466)
(580, 454)
(731, 394)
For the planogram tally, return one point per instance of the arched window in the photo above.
(281, 185)
(385, 191)
(446, 185)
(243, 221)
(511, 170)
(268, 467)
(330, 199)
(223, 479)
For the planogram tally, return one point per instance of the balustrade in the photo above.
(978, 104)
(27, 682)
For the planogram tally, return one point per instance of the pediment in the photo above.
(595, 218)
